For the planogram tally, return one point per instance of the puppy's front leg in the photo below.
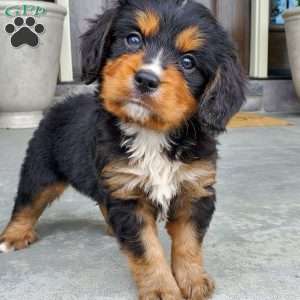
(187, 228)
(134, 224)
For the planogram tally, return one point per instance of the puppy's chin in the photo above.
(137, 111)
(140, 112)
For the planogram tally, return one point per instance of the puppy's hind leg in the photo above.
(20, 232)
(38, 188)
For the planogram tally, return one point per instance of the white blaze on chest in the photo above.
(155, 173)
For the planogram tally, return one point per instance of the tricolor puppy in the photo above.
(144, 146)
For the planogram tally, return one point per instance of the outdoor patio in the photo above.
(252, 249)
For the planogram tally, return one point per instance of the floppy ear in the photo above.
(223, 96)
(95, 42)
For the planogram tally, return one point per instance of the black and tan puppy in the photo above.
(144, 146)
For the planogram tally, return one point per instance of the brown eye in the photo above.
(188, 62)
(134, 41)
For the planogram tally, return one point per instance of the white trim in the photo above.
(259, 38)
(155, 66)
(66, 65)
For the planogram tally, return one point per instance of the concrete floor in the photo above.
(252, 249)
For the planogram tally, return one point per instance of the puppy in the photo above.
(144, 146)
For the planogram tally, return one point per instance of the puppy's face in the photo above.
(161, 61)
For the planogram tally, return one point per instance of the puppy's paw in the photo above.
(5, 248)
(196, 286)
(162, 287)
(161, 295)
(16, 240)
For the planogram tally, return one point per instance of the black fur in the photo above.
(95, 45)
(64, 147)
(224, 97)
(126, 225)
(202, 213)
(78, 137)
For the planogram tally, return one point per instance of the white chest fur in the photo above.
(155, 173)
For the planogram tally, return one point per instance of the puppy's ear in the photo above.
(224, 95)
(94, 45)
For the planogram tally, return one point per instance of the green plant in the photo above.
(298, 2)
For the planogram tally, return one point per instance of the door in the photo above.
(235, 16)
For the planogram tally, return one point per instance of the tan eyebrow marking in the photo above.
(189, 39)
(148, 22)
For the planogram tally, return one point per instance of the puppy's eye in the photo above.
(134, 41)
(188, 62)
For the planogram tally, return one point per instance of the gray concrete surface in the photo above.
(252, 249)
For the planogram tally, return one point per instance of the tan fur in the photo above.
(189, 39)
(187, 256)
(117, 84)
(152, 273)
(119, 178)
(187, 262)
(174, 103)
(148, 22)
(20, 232)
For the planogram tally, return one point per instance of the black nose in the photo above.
(146, 81)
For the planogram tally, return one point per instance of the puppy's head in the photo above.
(161, 63)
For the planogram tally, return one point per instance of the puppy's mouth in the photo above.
(138, 110)
(140, 103)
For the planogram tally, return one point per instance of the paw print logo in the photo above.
(24, 32)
